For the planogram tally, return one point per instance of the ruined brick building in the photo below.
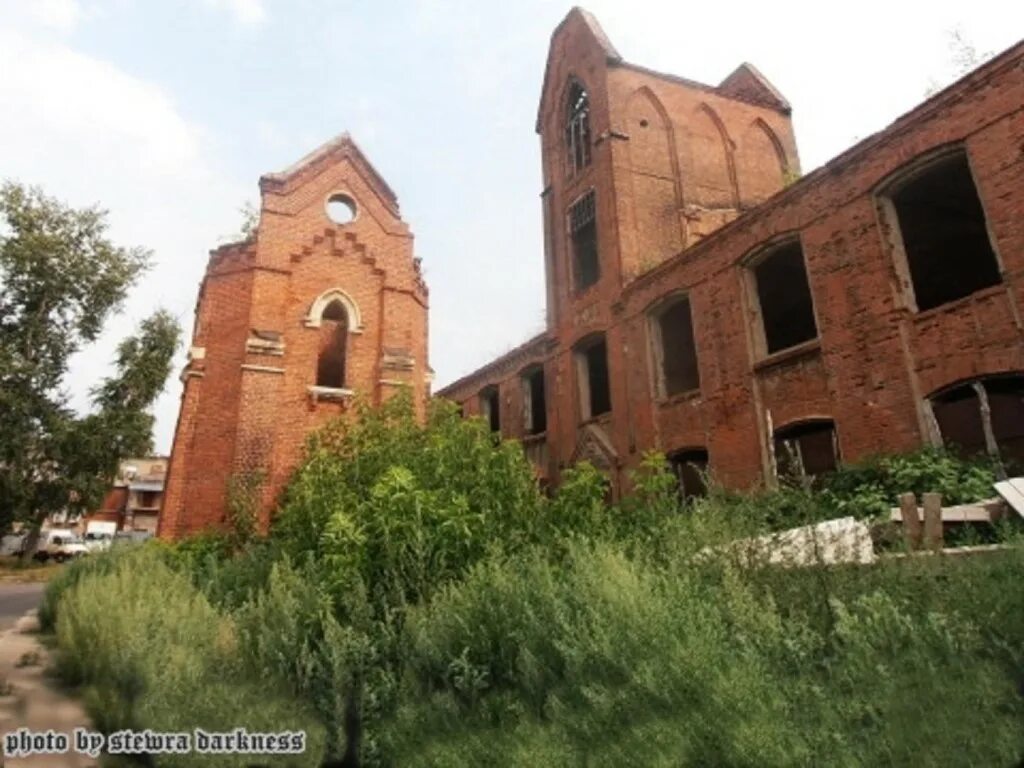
(704, 301)
(322, 303)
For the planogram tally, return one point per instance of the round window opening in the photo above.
(341, 209)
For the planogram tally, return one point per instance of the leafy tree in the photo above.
(60, 279)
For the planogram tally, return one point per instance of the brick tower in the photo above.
(323, 303)
(638, 167)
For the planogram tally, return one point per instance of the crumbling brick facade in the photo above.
(292, 324)
(742, 321)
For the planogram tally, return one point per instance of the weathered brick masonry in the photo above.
(715, 308)
(290, 326)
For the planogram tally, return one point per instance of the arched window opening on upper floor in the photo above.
(577, 128)
(984, 416)
(690, 467)
(330, 369)
(784, 304)
(535, 414)
(939, 233)
(674, 348)
(806, 451)
(490, 408)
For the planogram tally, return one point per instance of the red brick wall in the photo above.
(247, 410)
(726, 161)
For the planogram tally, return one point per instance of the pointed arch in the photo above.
(773, 137)
(331, 296)
(761, 162)
(576, 125)
(657, 199)
(713, 167)
(651, 139)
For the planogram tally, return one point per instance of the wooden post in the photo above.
(932, 521)
(911, 521)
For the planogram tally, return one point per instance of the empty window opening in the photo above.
(691, 470)
(592, 366)
(535, 415)
(784, 298)
(341, 209)
(675, 350)
(577, 128)
(985, 416)
(583, 232)
(490, 408)
(330, 369)
(806, 451)
(945, 238)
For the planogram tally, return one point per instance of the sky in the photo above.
(166, 114)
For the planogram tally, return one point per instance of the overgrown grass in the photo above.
(151, 652)
(419, 603)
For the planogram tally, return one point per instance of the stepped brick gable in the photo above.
(323, 303)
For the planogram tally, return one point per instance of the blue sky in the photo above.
(167, 114)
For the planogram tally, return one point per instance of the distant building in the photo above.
(134, 499)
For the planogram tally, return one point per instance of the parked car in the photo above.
(98, 541)
(99, 534)
(131, 537)
(59, 545)
(13, 544)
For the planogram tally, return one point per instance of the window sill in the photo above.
(679, 397)
(955, 304)
(330, 393)
(539, 437)
(810, 348)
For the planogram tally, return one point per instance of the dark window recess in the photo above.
(806, 450)
(577, 128)
(330, 369)
(535, 409)
(944, 234)
(961, 418)
(490, 408)
(787, 311)
(678, 350)
(583, 231)
(691, 469)
(595, 364)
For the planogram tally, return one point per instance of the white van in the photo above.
(60, 545)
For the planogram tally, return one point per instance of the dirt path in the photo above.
(33, 699)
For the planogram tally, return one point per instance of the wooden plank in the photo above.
(986, 511)
(932, 520)
(911, 522)
(1013, 491)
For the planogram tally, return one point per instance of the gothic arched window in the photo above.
(330, 364)
(577, 128)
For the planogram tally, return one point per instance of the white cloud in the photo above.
(249, 13)
(62, 15)
(88, 133)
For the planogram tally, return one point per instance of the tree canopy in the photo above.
(61, 278)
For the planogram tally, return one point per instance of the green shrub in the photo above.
(400, 507)
(605, 661)
(870, 488)
(151, 652)
(78, 570)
